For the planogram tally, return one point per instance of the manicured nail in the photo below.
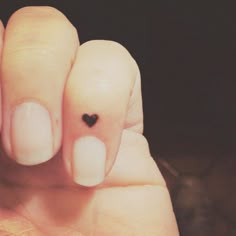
(89, 158)
(31, 132)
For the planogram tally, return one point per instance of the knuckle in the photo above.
(34, 11)
(28, 61)
(32, 24)
(44, 30)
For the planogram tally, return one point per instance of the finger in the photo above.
(1, 44)
(39, 48)
(102, 85)
(134, 151)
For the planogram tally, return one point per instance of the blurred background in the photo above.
(186, 51)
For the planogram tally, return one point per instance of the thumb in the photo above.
(102, 97)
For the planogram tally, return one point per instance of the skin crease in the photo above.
(44, 200)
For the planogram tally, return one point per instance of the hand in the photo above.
(63, 172)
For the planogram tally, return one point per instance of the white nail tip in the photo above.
(89, 159)
(31, 132)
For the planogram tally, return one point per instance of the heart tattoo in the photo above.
(90, 120)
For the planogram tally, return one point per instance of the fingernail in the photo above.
(31, 134)
(89, 158)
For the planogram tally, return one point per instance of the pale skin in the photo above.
(43, 188)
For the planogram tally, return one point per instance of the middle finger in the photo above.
(39, 48)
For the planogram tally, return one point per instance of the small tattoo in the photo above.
(90, 120)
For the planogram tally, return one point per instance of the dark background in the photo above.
(186, 53)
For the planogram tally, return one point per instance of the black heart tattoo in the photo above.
(90, 120)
